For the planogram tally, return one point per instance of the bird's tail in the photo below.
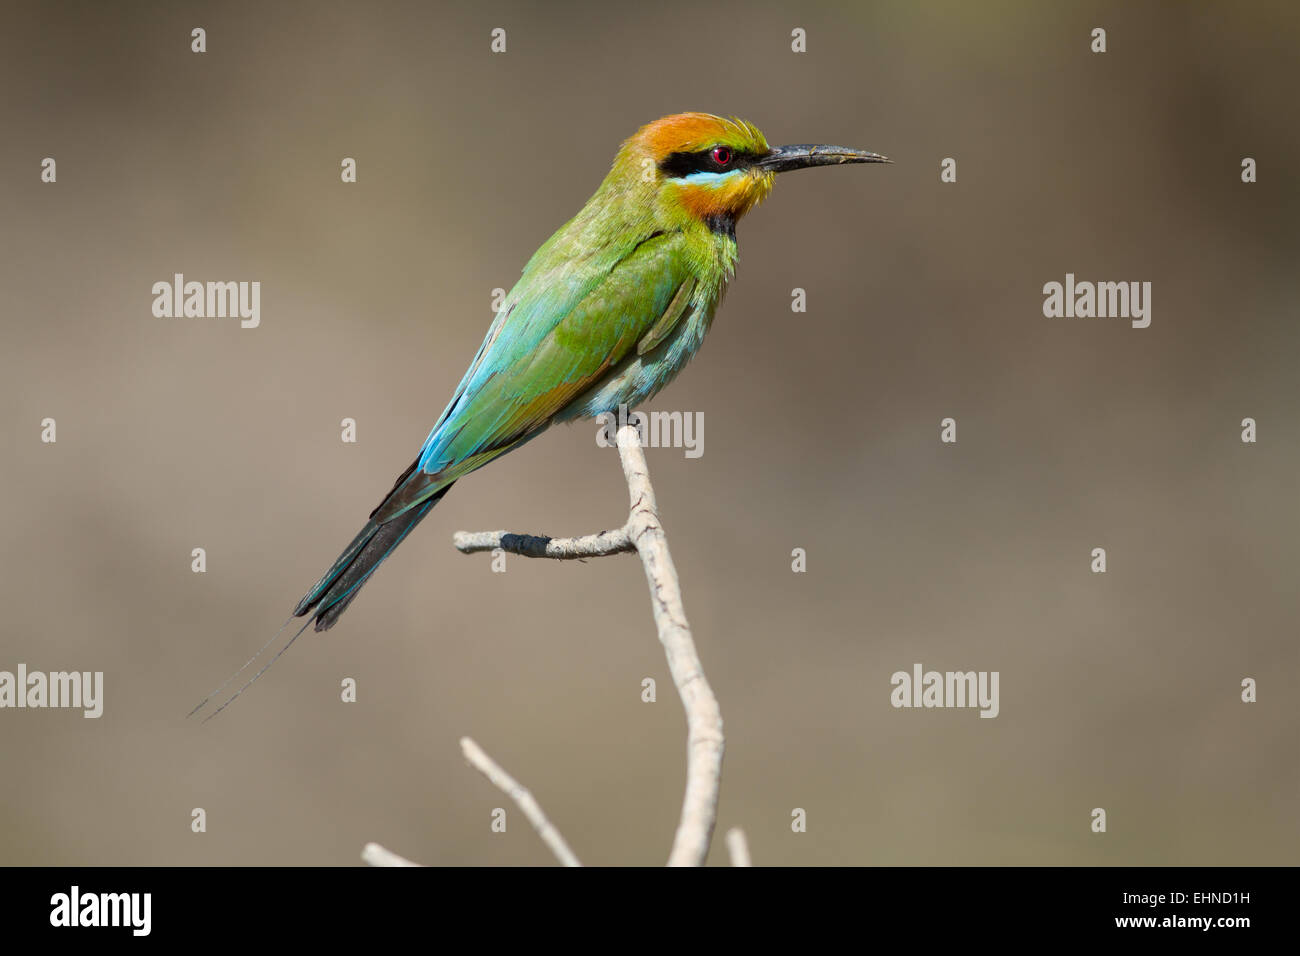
(331, 595)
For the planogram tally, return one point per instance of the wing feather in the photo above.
(537, 359)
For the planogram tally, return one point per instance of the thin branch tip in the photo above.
(477, 758)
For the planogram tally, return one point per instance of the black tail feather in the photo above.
(332, 594)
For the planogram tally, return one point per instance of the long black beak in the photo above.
(782, 159)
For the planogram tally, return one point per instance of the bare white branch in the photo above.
(520, 794)
(704, 740)
(536, 546)
(643, 534)
(376, 855)
(738, 847)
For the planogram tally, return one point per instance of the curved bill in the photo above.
(782, 159)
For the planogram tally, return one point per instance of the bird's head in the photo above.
(715, 170)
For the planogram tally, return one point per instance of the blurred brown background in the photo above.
(924, 301)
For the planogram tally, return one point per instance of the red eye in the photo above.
(721, 155)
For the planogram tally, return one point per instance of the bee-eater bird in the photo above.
(606, 313)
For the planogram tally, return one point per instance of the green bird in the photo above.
(606, 313)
